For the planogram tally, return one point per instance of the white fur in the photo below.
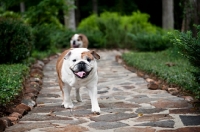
(70, 80)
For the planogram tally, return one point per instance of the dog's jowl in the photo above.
(76, 68)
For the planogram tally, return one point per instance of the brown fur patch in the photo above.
(59, 67)
(84, 40)
(90, 54)
(87, 54)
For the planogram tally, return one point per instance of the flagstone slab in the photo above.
(164, 124)
(114, 117)
(106, 125)
(190, 120)
(149, 110)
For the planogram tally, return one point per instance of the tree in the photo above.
(22, 7)
(95, 6)
(69, 17)
(191, 9)
(167, 14)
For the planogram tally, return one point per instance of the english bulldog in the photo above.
(77, 67)
(79, 41)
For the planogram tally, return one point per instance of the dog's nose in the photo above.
(74, 42)
(81, 66)
(82, 63)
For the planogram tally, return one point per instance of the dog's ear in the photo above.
(81, 37)
(67, 55)
(96, 56)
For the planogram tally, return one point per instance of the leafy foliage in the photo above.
(46, 12)
(189, 47)
(122, 31)
(10, 14)
(16, 40)
(11, 78)
(48, 37)
(151, 42)
(48, 30)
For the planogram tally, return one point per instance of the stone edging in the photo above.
(32, 86)
(156, 84)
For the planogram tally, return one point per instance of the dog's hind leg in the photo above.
(67, 102)
(78, 96)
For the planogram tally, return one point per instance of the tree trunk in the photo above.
(69, 17)
(77, 12)
(22, 7)
(95, 6)
(191, 15)
(167, 14)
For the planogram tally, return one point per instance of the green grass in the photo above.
(13, 75)
(155, 63)
(11, 79)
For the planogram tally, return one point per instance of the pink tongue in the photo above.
(80, 74)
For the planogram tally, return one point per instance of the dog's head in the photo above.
(76, 41)
(82, 61)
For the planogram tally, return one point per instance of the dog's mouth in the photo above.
(75, 46)
(81, 74)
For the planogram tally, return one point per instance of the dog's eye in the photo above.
(74, 60)
(78, 39)
(88, 59)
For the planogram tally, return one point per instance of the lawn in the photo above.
(156, 63)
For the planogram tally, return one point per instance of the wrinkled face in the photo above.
(81, 61)
(76, 41)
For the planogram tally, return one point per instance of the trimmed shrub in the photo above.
(16, 41)
(89, 23)
(150, 42)
(137, 23)
(49, 36)
(109, 25)
(121, 31)
(60, 38)
(10, 14)
(11, 78)
(42, 37)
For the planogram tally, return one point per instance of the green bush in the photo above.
(16, 41)
(60, 38)
(116, 31)
(189, 47)
(11, 78)
(137, 23)
(109, 25)
(150, 42)
(10, 14)
(48, 37)
(42, 37)
(89, 23)
(46, 12)
(96, 38)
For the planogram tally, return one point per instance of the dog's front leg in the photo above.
(93, 96)
(67, 102)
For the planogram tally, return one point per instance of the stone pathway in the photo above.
(127, 105)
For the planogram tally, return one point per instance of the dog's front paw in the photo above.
(67, 105)
(96, 110)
